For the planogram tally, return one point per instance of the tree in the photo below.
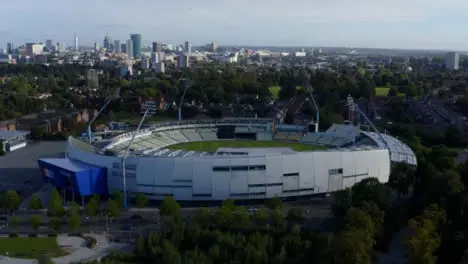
(14, 221)
(44, 260)
(74, 221)
(117, 196)
(274, 203)
(140, 200)
(92, 207)
(261, 217)
(295, 215)
(55, 224)
(401, 178)
(35, 202)
(35, 221)
(112, 208)
(169, 207)
(55, 207)
(73, 207)
(13, 201)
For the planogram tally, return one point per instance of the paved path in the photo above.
(79, 251)
(396, 252)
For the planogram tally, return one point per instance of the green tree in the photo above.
(112, 208)
(55, 207)
(261, 217)
(55, 224)
(92, 207)
(44, 260)
(73, 207)
(13, 201)
(274, 203)
(74, 221)
(14, 222)
(35, 202)
(140, 200)
(401, 178)
(117, 196)
(35, 221)
(295, 215)
(169, 207)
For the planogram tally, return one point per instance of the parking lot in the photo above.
(20, 166)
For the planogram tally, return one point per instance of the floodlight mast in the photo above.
(108, 101)
(124, 157)
(317, 110)
(187, 84)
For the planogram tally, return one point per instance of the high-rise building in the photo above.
(184, 61)
(123, 47)
(33, 49)
(130, 51)
(136, 44)
(93, 78)
(188, 48)
(107, 42)
(452, 61)
(117, 46)
(49, 44)
(59, 47)
(213, 46)
(10, 48)
(76, 43)
(96, 47)
(157, 47)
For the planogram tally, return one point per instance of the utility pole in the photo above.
(187, 84)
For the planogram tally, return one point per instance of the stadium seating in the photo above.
(192, 135)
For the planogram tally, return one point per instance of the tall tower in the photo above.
(136, 44)
(117, 46)
(188, 48)
(76, 43)
(130, 50)
(452, 61)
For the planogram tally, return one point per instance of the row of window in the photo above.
(299, 190)
(127, 166)
(240, 168)
(266, 184)
(291, 174)
(128, 174)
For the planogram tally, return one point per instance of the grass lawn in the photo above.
(383, 91)
(30, 247)
(214, 145)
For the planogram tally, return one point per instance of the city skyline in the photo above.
(413, 24)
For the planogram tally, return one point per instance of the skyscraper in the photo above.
(107, 42)
(136, 44)
(49, 44)
(117, 46)
(157, 47)
(130, 50)
(452, 61)
(10, 48)
(76, 43)
(188, 48)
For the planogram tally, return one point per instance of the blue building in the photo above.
(136, 41)
(75, 177)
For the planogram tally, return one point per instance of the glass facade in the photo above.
(136, 41)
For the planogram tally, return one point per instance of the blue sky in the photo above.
(421, 24)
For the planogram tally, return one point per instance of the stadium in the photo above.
(213, 160)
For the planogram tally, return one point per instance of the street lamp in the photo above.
(124, 157)
(108, 101)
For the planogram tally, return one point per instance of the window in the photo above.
(335, 171)
(116, 173)
(116, 165)
(222, 168)
(201, 195)
(248, 194)
(266, 184)
(182, 180)
(257, 167)
(240, 168)
(130, 166)
(130, 175)
(299, 190)
(291, 174)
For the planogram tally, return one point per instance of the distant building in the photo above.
(157, 47)
(188, 48)
(130, 48)
(452, 61)
(107, 43)
(184, 61)
(33, 49)
(76, 43)
(96, 47)
(49, 44)
(213, 46)
(159, 67)
(136, 44)
(10, 48)
(123, 47)
(117, 46)
(93, 78)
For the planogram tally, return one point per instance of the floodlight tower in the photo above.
(108, 101)
(187, 84)
(317, 110)
(124, 157)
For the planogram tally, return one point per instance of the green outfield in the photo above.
(30, 247)
(214, 145)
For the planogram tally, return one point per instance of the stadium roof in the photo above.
(68, 164)
(399, 151)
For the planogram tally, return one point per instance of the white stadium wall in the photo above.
(207, 178)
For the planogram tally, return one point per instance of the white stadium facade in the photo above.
(234, 173)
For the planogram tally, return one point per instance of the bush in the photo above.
(13, 235)
(32, 235)
(90, 242)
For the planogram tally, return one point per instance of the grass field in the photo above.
(383, 91)
(214, 145)
(30, 247)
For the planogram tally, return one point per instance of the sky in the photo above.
(407, 24)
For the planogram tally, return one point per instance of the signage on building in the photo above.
(46, 173)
